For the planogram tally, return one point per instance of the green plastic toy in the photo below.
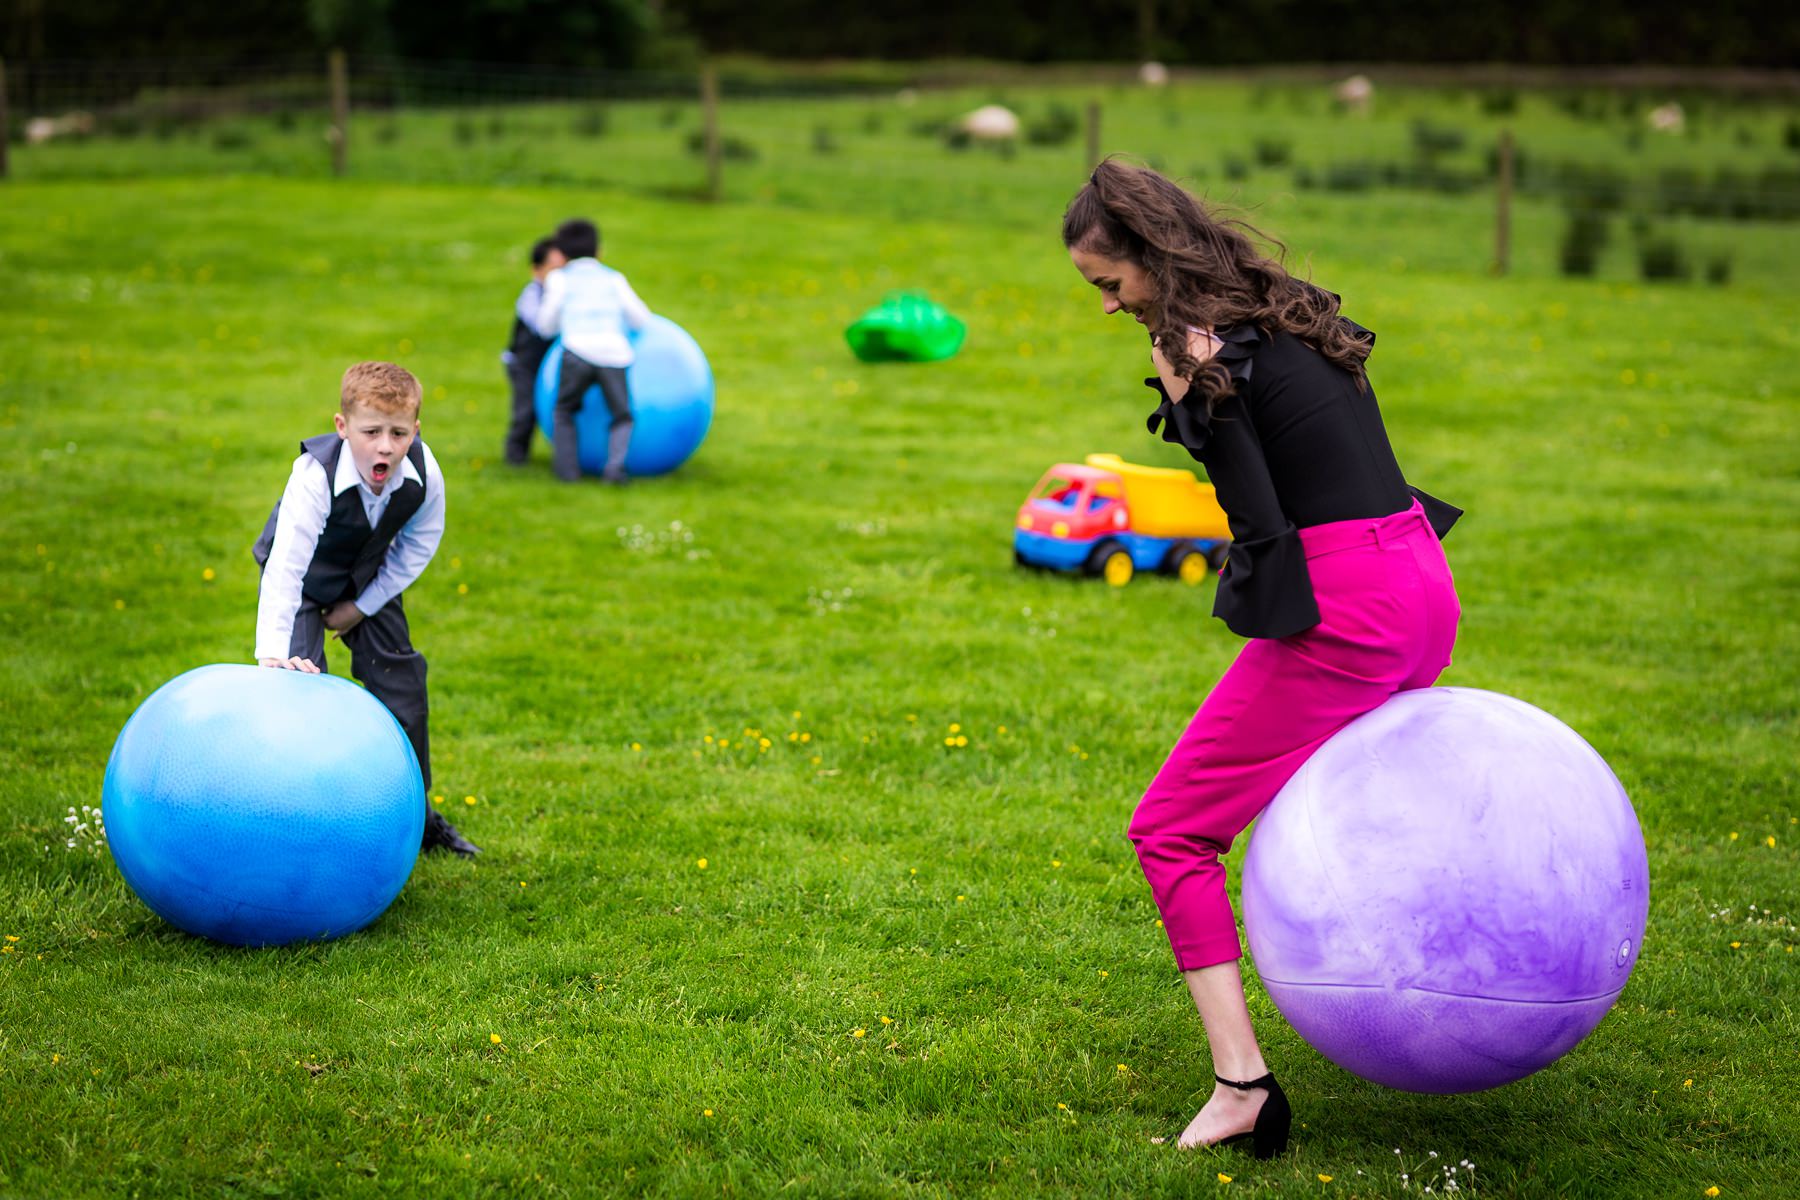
(905, 327)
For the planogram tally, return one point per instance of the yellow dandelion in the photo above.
(796, 714)
(636, 746)
(437, 799)
(494, 1038)
(1159, 923)
(887, 1020)
(55, 1058)
(793, 735)
(912, 716)
(11, 938)
(1712, 1191)
(1324, 1179)
(1732, 835)
(1062, 1106)
(858, 1032)
(1769, 841)
(1057, 863)
(706, 1112)
(209, 575)
(949, 741)
(1104, 975)
(1735, 945)
(724, 743)
(805, 737)
(701, 863)
(961, 740)
(960, 899)
(456, 564)
(708, 739)
(1224, 1178)
(999, 729)
(7, 949)
(955, 728)
(816, 760)
(1124, 1070)
(119, 604)
(1687, 1083)
(462, 589)
(468, 800)
(521, 883)
(912, 870)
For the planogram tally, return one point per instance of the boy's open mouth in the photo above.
(379, 471)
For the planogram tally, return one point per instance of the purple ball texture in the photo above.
(1449, 894)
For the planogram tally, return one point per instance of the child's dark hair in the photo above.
(578, 238)
(540, 250)
(1207, 272)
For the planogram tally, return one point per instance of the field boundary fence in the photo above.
(356, 102)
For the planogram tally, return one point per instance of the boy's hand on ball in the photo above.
(342, 617)
(296, 663)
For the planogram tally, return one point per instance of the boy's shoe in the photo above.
(442, 835)
(619, 480)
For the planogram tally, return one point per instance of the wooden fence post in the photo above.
(1093, 134)
(709, 122)
(1503, 205)
(339, 134)
(5, 120)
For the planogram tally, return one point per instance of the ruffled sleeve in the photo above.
(1440, 514)
(1190, 425)
(1265, 590)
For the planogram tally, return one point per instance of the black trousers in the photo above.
(578, 374)
(523, 379)
(383, 660)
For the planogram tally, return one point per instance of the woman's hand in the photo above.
(1201, 344)
(1175, 385)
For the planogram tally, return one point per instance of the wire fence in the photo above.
(853, 139)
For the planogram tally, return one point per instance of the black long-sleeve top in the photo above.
(1295, 444)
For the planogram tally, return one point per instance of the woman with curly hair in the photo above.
(1335, 571)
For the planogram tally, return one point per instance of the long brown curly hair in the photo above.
(1206, 270)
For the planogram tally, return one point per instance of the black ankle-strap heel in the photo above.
(1269, 1136)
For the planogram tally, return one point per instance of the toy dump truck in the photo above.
(1111, 518)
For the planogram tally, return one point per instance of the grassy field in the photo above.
(1283, 151)
(746, 923)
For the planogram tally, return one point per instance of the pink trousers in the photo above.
(1388, 612)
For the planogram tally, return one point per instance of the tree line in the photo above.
(636, 34)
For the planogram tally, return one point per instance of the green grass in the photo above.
(1629, 563)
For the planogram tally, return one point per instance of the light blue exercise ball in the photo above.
(259, 807)
(671, 387)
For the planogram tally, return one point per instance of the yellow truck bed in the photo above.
(1166, 501)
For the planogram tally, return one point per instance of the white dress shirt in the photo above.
(305, 505)
(592, 307)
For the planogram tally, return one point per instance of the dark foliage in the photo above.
(1584, 237)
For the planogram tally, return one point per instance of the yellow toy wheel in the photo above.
(1117, 568)
(1192, 569)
